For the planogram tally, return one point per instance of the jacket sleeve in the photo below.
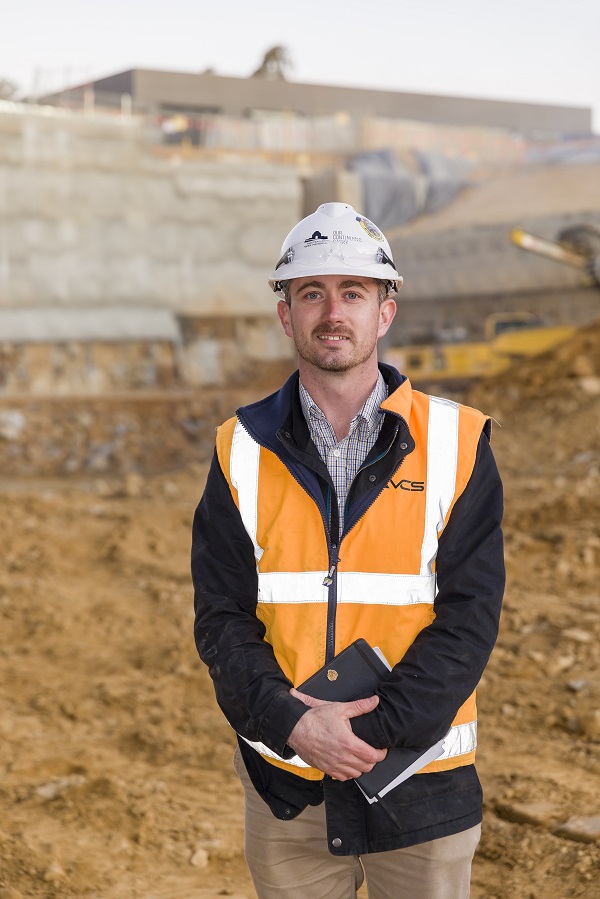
(443, 666)
(250, 687)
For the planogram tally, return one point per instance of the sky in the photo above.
(542, 51)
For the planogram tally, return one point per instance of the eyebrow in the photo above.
(352, 282)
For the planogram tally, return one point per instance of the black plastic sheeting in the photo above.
(395, 194)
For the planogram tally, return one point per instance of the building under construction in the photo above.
(108, 208)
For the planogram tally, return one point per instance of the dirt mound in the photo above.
(560, 383)
(117, 778)
(513, 193)
(549, 444)
(540, 698)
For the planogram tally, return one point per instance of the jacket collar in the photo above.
(282, 410)
(399, 398)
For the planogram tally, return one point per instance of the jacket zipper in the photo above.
(330, 582)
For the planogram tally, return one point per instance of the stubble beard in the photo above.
(328, 359)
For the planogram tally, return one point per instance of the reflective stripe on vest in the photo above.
(460, 739)
(352, 586)
(245, 457)
(398, 589)
(442, 459)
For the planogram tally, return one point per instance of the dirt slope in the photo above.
(540, 700)
(513, 193)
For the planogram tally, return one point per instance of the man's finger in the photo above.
(308, 700)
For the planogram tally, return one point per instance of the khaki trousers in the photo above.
(290, 860)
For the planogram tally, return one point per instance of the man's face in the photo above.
(335, 321)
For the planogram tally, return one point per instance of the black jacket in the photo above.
(444, 664)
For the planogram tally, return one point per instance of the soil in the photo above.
(117, 776)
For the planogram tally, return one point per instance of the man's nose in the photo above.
(334, 308)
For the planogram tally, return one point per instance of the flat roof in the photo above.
(154, 89)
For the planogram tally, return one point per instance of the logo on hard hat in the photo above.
(370, 228)
(314, 238)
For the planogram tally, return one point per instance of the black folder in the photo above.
(355, 673)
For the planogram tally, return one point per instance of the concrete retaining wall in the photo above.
(90, 217)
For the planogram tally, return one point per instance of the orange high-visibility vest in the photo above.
(386, 581)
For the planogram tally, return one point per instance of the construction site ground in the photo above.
(117, 781)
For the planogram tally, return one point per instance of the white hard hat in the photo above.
(335, 240)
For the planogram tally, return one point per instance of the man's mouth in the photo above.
(336, 337)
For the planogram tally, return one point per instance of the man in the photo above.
(347, 505)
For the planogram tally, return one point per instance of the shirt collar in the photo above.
(369, 412)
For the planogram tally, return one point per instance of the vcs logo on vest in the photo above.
(406, 484)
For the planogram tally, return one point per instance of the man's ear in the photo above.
(283, 311)
(387, 311)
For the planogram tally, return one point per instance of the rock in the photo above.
(544, 813)
(61, 785)
(10, 893)
(581, 829)
(577, 635)
(170, 488)
(200, 858)
(590, 386)
(54, 873)
(560, 664)
(590, 723)
(571, 723)
(564, 568)
(577, 685)
(12, 423)
(98, 459)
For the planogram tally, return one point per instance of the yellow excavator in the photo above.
(509, 336)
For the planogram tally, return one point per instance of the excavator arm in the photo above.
(574, 247)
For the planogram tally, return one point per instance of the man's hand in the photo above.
(323, 737)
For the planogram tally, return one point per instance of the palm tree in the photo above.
(274, 65)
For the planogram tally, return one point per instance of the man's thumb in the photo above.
(362, 706)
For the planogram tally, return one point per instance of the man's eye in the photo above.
(351, 295)
(312, 295)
